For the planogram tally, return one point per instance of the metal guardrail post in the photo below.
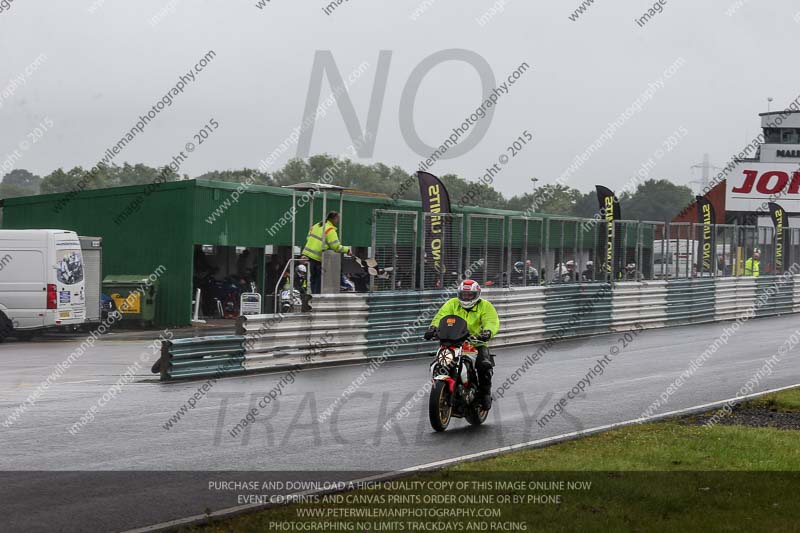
(545, 246)
(467, 243)
(460, 246)
(374, 245)
(486, 250)
(414, 245)
(394, 251)
(422, 253)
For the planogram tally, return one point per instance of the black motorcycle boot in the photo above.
(485, 388)
(484, 365)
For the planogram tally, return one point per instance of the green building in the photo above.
(175, 224)
(197, 233)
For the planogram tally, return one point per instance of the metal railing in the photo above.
(360, 327)
(431, 251)
(394, 244)
(484, 249)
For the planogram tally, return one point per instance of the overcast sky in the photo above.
(105, 69)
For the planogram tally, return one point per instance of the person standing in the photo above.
(531, 274)
(588, 273)
(322, 237)
(751, 266)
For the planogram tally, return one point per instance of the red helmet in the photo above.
(469, 292)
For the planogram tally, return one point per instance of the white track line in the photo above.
(470, 457)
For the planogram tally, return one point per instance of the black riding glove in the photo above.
(431, 333)
(484, 335)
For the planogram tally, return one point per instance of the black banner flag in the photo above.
(706, 216)
(609, 209)
(779, 219)
(434, 200)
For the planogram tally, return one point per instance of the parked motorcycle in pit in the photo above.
(455, 382)
(291, 301)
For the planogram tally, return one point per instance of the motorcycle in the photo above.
(290, 301)
(455, 382)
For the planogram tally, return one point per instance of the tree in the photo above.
(470, 193)
(138, 174)
(555, 199)
(658, 200)
(76, 179)
(19, 182)
(245, 175)
(586, 206)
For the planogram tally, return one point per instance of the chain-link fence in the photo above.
(790, 249)
(725, 248)
(394, 247)
(433, 250)
(526, 237)
(574, 248)
(652, 249)
(627, 251)
(484, 246)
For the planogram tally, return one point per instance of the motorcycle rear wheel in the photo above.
(439, 409)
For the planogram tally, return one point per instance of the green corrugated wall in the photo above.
(151, 237)
(175, 216)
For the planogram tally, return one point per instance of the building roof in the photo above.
(379, 202)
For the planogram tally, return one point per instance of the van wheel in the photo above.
(6, 326)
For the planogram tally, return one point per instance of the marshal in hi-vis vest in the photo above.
(315, 243)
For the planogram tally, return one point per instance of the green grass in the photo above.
(661, 447)
(668, 476)
(784, 402)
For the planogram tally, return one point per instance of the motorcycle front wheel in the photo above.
(439, 409)
(476, 415)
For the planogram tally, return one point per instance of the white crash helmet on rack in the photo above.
(469, 293)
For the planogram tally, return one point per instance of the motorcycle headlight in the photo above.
(446, 356)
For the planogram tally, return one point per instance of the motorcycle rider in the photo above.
(588, 273)
(483, 323)
(630, 273)
(300, 279)
(571, 274)
(519, 275)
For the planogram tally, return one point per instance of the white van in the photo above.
(679, 258)
(41, 280)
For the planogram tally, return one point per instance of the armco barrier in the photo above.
(690, 301)
(734, 296)
(776, 293)
(577, 309)
(202, 357)
(643, 303)
(390, 324)
(336, 329)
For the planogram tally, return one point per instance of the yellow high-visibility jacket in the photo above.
(751, 267)
(319, 240)
(482, 316)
